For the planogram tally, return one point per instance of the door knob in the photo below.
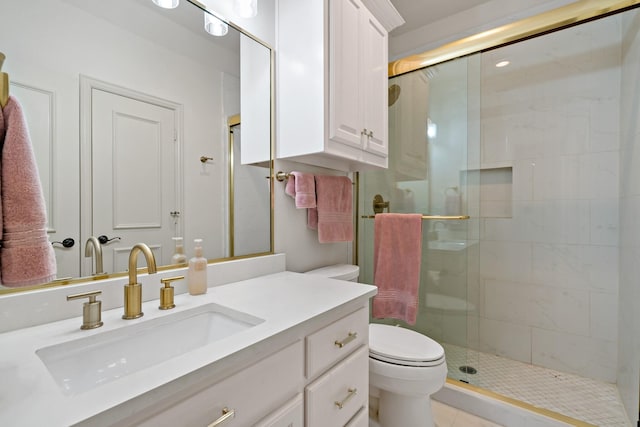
(105, 239)
(67, 243)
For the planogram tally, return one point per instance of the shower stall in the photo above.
(538, 142)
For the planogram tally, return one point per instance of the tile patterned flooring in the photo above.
(581, 398)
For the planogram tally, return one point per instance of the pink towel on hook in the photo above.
(26, 257)
(333, 217)
(302, 187)
(397, 254)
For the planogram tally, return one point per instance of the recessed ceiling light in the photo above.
(502, 64)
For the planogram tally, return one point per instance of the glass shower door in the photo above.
(430, 172)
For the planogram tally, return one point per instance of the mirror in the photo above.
(129, 108)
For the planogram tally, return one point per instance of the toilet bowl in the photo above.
(405, 367)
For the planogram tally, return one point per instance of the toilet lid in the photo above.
(403, 346)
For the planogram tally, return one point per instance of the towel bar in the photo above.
(438, 217)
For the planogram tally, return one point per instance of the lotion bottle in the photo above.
(178, 256)
(197, 272)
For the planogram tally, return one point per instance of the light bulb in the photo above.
(167, 4)
(432, 129)
(215, 26)
(246, 8)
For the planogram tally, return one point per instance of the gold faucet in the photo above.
(97, 253)
(133, 291)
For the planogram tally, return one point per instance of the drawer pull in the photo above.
(227, 414)
(352, 392)
(352, 336)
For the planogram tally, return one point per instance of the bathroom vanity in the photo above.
(285, 349)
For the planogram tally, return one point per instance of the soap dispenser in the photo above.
(178, 256)
(197, 272)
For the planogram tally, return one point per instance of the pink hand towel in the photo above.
(302, 187)
(334, 215)
(397, 253)
(2, 133)
(26, 257)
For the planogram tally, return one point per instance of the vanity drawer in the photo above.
(290, 414)
(335, 341)
(335, 397)
(361, 419)
(251, 394)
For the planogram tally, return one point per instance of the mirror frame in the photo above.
(89, 279)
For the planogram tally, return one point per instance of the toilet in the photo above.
(405, 367)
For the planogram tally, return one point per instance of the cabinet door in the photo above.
(345, 100)
(374, 75)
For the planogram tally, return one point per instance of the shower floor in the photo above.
(581, 398)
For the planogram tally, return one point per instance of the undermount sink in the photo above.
(81, 365)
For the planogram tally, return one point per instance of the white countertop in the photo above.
(29, 395)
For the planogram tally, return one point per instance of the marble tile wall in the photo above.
(548, 275)
(628, 374)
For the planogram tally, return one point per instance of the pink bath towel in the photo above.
(397, 253)
(302, 187)
(334, 216)
(26, 257)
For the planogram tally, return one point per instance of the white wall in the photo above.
(292, 236)
(628, 374)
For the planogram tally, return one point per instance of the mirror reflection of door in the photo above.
(140, 203)
(251, 195)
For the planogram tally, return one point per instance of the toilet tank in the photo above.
(338, 271)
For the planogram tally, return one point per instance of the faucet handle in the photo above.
(91, 310)
(166, 292)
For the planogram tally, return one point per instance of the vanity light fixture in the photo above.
(215, 26)
(167, 4)
(246, 8)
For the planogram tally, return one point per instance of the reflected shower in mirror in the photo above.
(122, 100)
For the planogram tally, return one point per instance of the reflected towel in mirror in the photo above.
(26, 256)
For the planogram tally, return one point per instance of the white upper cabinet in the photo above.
(332, 85)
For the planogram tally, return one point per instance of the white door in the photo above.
(374, 71)
(134, 177)
(345, 94)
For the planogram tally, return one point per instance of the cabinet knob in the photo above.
(227, 414)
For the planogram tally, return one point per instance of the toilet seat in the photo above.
(404, 347)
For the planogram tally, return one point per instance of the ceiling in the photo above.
(418, 13)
